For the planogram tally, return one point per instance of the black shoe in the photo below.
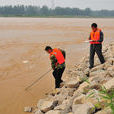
(103, 62)
(61, 81)
(90, 67)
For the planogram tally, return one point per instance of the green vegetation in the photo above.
(35, 11)
(106, 96)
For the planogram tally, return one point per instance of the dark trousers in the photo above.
(96, 48)
(57, 73)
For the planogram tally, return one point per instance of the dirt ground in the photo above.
(24, 39)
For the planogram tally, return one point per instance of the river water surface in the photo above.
(24, 39)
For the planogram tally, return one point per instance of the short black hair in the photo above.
(94, 25)
(47, 48)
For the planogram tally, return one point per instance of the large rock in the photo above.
(86, 108)
(73, 83)
(65, 106)
(110, 84)
(101, 73)
(97, 68)
(97, 80)
(65, 93)
(45, 105)
(82, 87)
(79, 100)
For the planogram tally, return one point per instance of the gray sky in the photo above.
(93, 4)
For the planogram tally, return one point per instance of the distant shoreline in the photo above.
(52, 17)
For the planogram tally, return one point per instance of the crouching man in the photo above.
(57, 57)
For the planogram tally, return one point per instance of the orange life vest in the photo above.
(59, 56)
(95, 36)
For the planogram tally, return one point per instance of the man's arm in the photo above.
(101, 37)
(64, 53)
(53, 61)
(89, 37)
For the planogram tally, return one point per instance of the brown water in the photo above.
(25, 39)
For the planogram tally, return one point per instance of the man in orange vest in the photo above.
(57, 57)
(96, 37)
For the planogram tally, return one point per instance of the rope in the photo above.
(37, 80)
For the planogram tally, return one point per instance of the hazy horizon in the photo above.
(93, 4)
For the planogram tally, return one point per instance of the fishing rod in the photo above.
(28, 87)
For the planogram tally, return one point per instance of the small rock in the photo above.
(97, 68)
(72, 84)
(98, 73)
(110, 61)
(65, 93)
(62, 84)
(105, 111)
(86, 108)
(79, 100)
(45, 105)
(111, 71)
(86, 90)
(62, 106)
(86, 72)
(97, 80)
(28, 109)
(110, 84)
(38, 112)
(107, 64)
(82, 87)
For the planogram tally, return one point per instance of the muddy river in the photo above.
(23, 59)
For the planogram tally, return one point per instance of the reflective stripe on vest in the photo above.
(59, 56)
(95, 36)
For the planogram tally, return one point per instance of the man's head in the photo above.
(48, 49)
(94, 27)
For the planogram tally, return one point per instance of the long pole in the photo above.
(37, 80)
(88, 41)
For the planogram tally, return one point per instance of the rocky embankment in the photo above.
(85, 91)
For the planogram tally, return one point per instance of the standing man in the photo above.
(57, 57)
(96, 37)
